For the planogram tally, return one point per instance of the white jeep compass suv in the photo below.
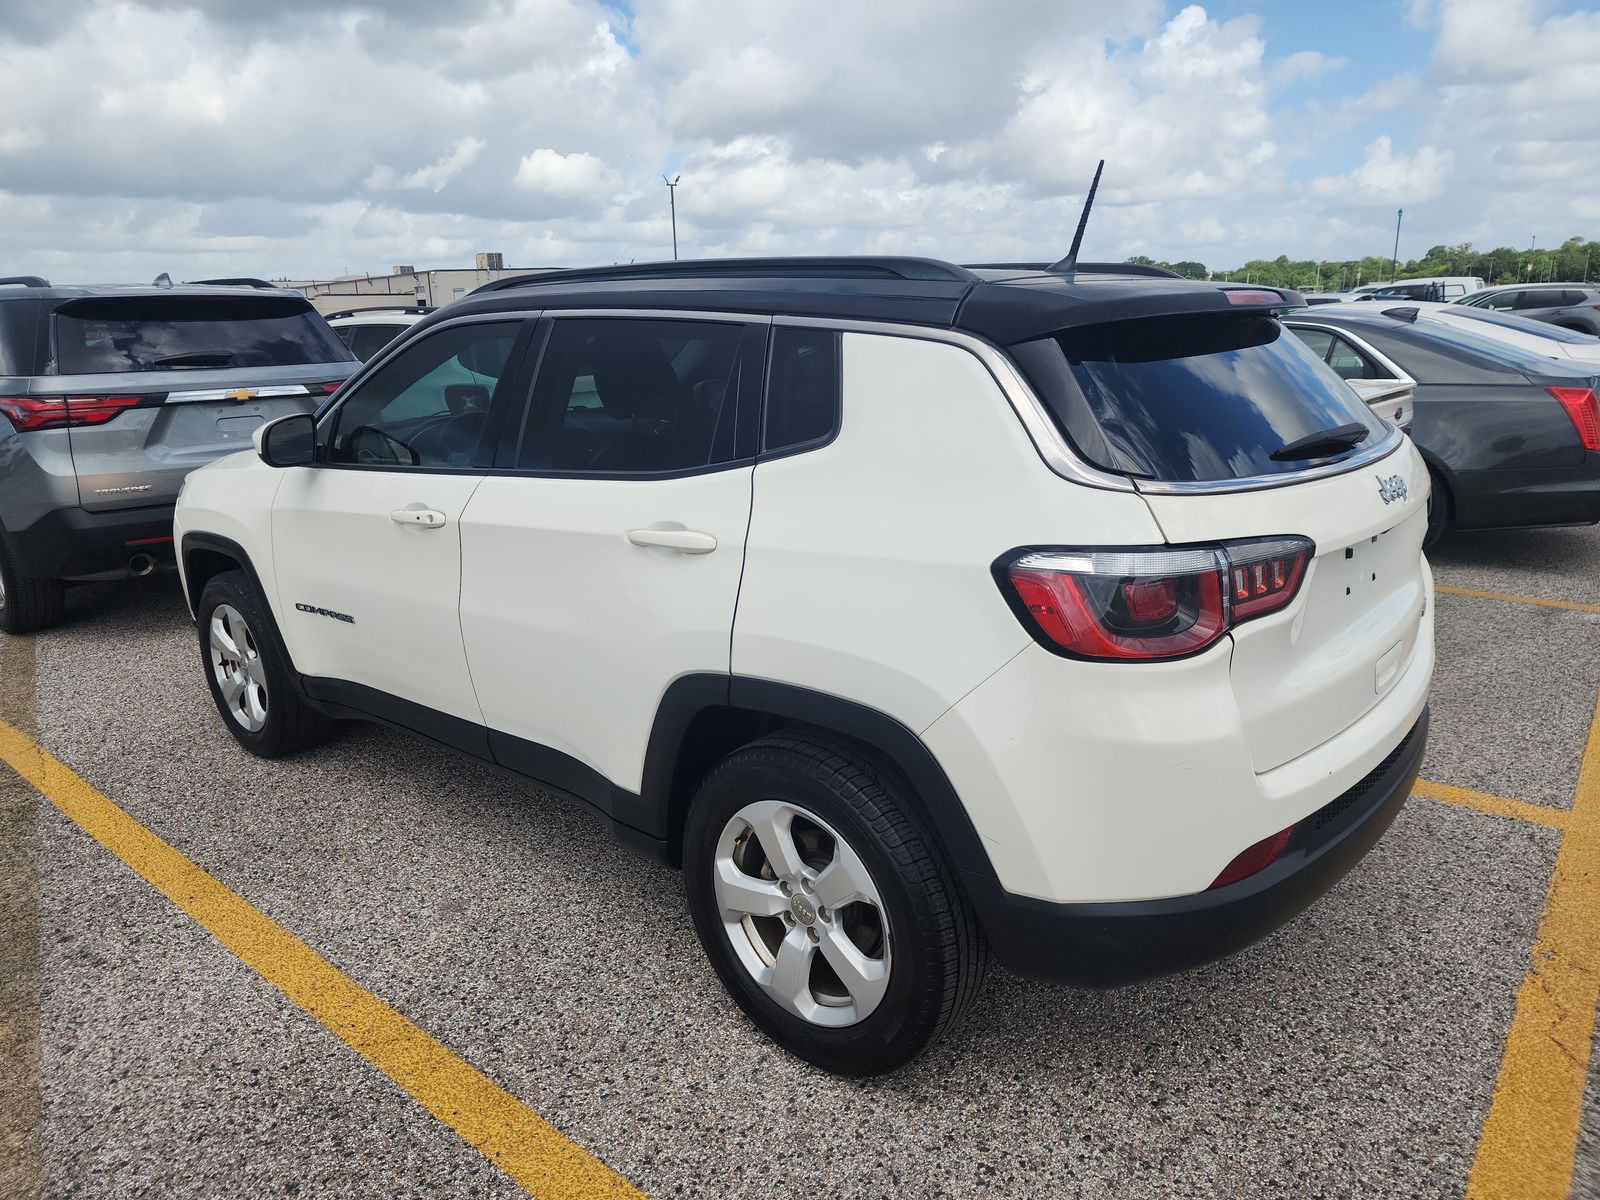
(922, 613)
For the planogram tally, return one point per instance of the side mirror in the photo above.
(287, 442)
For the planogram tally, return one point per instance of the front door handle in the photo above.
(684, 541)
(428, 518)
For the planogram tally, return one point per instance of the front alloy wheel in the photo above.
(802, 913)
(236, 665)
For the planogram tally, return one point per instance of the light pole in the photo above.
(672, 203)
(1394, 260)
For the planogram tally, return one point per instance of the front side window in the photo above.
(429, 405)
(1499, 301)
(620, 395)
(366, 340)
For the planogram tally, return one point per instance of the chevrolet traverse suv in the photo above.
(111, 395)
(924, 615)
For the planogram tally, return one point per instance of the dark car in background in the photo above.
(1511, 439)
(1571, 305)
(111, 395)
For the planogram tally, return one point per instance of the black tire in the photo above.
(936, 954)
(1441, 510)
(28, 604)
(291, 724)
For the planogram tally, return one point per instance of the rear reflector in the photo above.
(150, 541)
(1584, 410)
(28, 413)
(1147, 603)
(1252, 859)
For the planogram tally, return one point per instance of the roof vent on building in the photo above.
(491, 260)
(403, 269)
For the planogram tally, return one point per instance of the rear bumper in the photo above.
(71, 543)
(1107, 945)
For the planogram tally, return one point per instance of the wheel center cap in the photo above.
(802, 909)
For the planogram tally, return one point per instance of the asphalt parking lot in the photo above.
(523, 964)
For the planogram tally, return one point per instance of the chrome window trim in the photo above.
(1396, 373)
(1053, 448)
(1255, 483)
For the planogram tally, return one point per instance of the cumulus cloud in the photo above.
(435, 175)
(310, 137)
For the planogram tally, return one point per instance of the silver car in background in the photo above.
(111, 395)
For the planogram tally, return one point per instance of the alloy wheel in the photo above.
(802, 913)
(237, 667)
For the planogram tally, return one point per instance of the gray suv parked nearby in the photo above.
(112, 395)
(1572, 305)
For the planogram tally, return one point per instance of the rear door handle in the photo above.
(428, 518)
(684, 541)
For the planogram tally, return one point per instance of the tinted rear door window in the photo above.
(1192, 399)
(123, 334)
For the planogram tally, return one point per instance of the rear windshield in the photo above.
(119, 334)
(1484, 345)
(1192, 399)
(1556, 333)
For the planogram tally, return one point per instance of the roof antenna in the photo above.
(162, 280)
(1069, 264)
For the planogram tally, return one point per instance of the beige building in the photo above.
(403, 285)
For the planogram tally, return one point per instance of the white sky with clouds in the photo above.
(302, 138)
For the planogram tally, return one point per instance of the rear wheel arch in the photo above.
(703, 718)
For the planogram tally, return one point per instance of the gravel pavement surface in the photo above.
(1351, 1054)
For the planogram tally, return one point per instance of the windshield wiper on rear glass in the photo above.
(195, 358)
(1321, 444)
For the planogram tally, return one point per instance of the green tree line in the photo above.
(1576, 259)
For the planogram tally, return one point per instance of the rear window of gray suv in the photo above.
(1190, 399)
(121, 334)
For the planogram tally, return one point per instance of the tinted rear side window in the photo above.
(802, 389)
(1191, 399)
(19, 322)
(116, 334)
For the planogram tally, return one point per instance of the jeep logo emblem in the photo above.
(803, 911)
(1391, 489)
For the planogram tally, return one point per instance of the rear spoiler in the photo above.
(1007, 315)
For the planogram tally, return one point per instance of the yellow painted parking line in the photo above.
(490, 1119)
(1530, 1135)
(1571, 605)
(1499, 806)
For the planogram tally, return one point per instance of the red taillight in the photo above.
(27, 413)
(1151, 603)
(327, 389)
(1252, 859)
(1584, 410)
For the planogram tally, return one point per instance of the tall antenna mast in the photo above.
(1070, 263)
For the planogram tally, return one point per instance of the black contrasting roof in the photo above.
(1087, 268)
(1012, 305)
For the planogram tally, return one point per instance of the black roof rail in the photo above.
(794, 267)
(381, 308)
(238, 281)
(25, 281)
(1086, 268)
